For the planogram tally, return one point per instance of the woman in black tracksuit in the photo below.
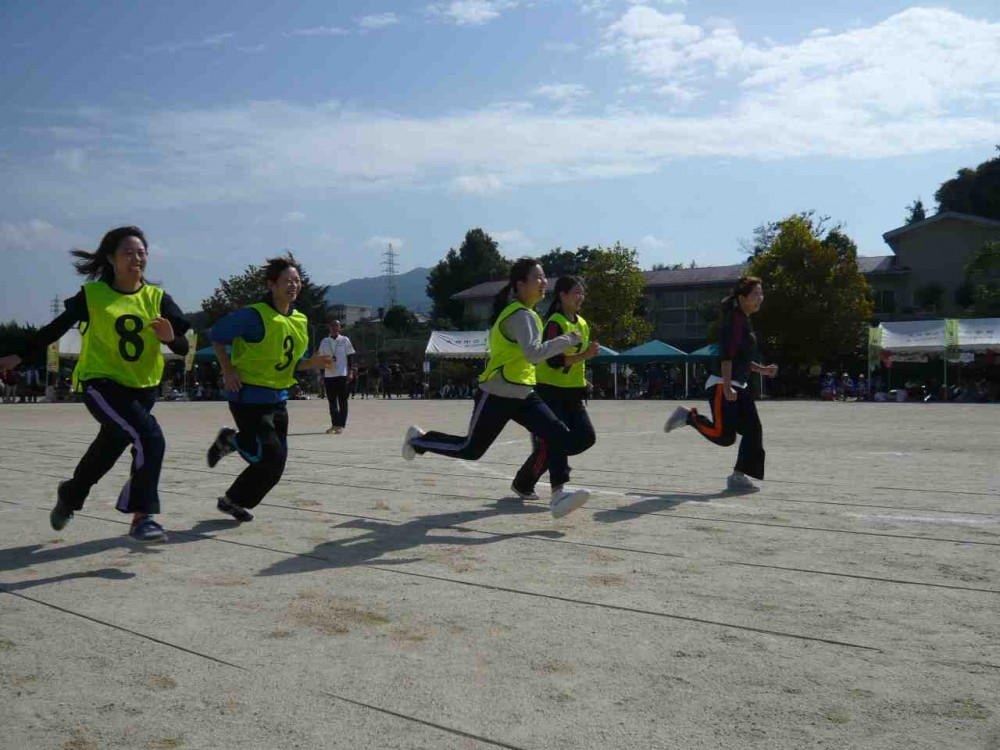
(561, 382)
(734, 411)
(123, 320)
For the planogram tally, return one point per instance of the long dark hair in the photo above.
(742, 288)
(518, 272)
(98, 265)
(565, 284)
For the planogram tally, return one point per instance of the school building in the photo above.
(921, 278)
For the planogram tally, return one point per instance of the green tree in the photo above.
(614, 297)
(399, 320)
(973, 191)
(251, 286)
(817, 301)
(477, 260)
(673, 266)
(983, 276)
(559, 262)
(13, 337)
(915, 212)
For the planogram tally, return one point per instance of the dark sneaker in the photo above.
(238, 512)
(61, 514)
(147, 530)
(225, 443)
(523, 494)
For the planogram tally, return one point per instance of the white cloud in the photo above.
(919, 82)
(915, 65)
(381, 243)
(254, 50)
(34, 236)
(564, 93)
(477, 184)
(293, 217)
(71, 159)
(653, 244)
(378, 20)
(215, 40)
(512, 240)
(471, 12)
(318, 31)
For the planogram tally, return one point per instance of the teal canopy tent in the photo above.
(709, 351)
(651, 351)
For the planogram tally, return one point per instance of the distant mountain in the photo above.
(410, 290)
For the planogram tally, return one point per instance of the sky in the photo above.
(232, 131)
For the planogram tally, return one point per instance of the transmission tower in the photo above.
(55, 306)
(389, 267)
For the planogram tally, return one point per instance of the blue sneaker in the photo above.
(147, 530)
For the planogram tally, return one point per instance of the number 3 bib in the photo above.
(271, 362)
(118, 343)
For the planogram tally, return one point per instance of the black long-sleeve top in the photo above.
(738, 344)
(76, 312)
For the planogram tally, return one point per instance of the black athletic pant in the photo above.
(570, 410)
(125, 419)
(489, 416)
(262, 440)
(732, 418)
(336, 397)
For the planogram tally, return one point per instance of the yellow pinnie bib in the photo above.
(271, 362)
(506, 358)
(572, 376)
(117, 342)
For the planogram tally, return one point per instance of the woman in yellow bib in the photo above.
(269, 340)
(123, 321)
(561, 382)
(507, 388)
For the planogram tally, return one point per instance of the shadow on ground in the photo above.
(380, 538)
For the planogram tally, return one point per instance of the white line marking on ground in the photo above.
(923, 519)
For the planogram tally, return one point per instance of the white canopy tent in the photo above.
(458, 345)
(71, 343)
(950, 338)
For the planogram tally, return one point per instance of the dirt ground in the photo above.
(853, 603)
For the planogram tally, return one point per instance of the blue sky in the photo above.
(232, 131)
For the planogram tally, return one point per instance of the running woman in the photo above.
(507, 388)
(124, 320)
(269, 340)
(561, 382)
(733, 408)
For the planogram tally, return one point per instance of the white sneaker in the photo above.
(740, 483)
(566, 501)
(409, 452)
(677, 419)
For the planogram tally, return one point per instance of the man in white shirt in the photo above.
(335, 379)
